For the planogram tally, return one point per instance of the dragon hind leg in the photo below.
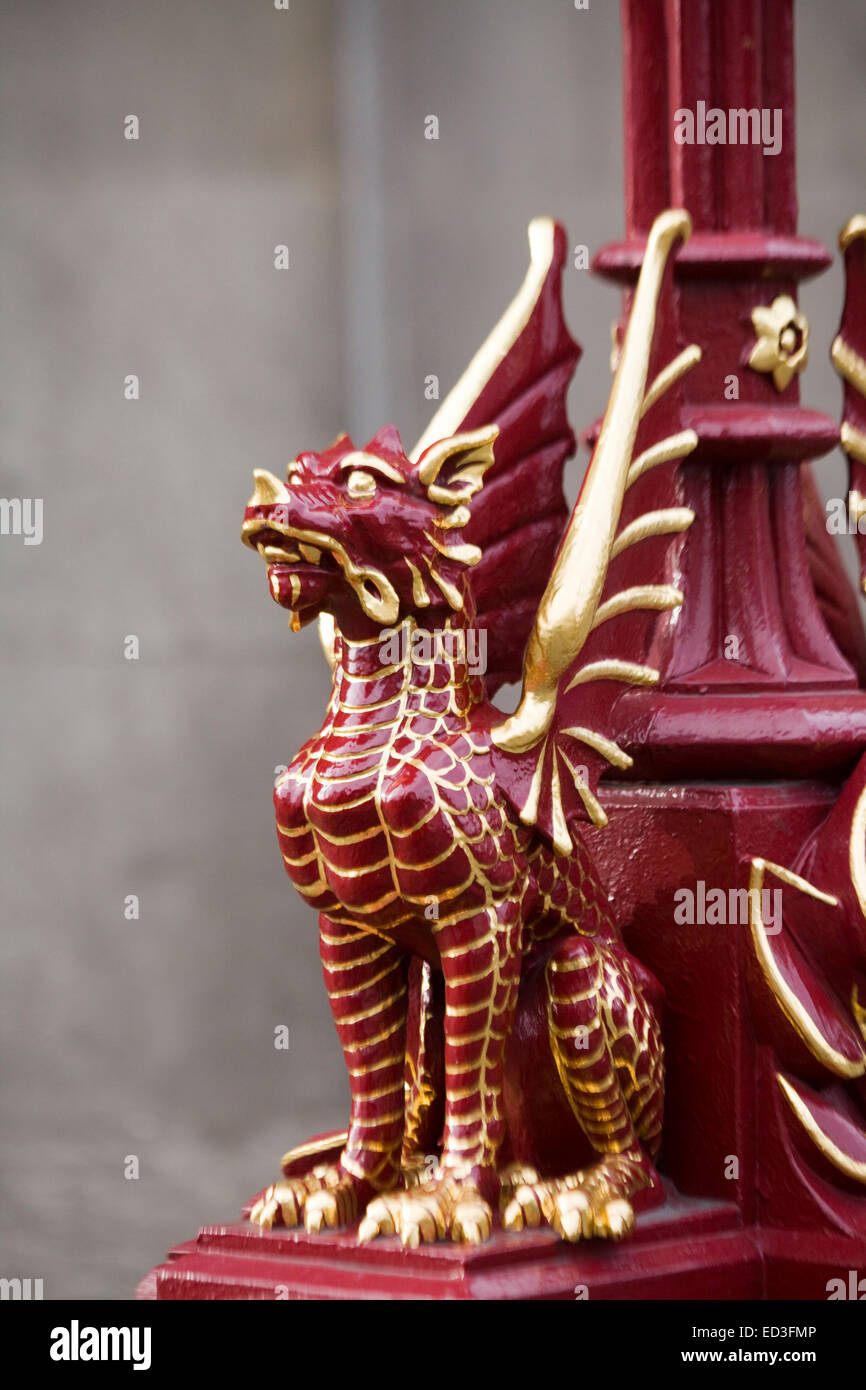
(606, 1043)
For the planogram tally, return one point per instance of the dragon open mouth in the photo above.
(280, 555)
(299, 578)
(302, 565)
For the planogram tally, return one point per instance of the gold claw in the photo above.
(278, 1198)
(264, 1211)
(416, 1224)
(512, 1217)
(410, 1236)
(368, 1230)
(378, 1221)
(530, 1205)
(313, 1221)
(573, 1217)
(472, 1221)
(570, 1226)
(619, 1218)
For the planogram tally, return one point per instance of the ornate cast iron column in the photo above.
(751, 620)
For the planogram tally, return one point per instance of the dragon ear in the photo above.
(452, 470)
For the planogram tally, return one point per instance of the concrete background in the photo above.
(154, 1037)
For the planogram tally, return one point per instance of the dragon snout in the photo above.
(300, 572)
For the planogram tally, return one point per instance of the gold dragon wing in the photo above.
(615, 572)
(848, 354)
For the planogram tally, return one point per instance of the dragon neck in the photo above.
(434, 670)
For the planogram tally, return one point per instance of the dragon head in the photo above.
(369, 530)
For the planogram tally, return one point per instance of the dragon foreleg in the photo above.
(481, 963)
(366, 979)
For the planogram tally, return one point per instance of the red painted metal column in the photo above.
(751, 621)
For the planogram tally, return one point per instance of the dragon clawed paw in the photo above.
(325, 1198)
(573, 1214)
(432, 1211)
(595, 1203)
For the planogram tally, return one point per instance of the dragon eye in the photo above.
(293, 472)
(361, 483)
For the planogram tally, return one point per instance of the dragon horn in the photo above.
(269, 490)
(569, 603)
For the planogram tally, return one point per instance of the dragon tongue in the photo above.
(296, 589)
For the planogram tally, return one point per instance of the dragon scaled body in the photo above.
(487, 1009)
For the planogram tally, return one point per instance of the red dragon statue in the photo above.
(488, 1010)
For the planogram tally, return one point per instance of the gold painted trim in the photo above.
(769, 354)
(559, 1060)
(315, 1146)
(682, 363)
(849, 364)
(605, 746)
(594, 808)
(839, 1159)
(857, 850)
(458, 516)
(667, 522)
(676, 446)
(268, 490)
(496, 347)
(476, 446)
(647, 596)
(789, 1003)
(612, 670)
(383, 609)
(464, 554)
(419, 593)
(854, 227)
(362, 460)
(561, 838)
(571, 598)
(853, 441)
(530, 807)
(450, 593)
(361, 484)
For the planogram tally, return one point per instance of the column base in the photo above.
(686, 1249)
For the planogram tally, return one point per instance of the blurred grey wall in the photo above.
(153, 1036)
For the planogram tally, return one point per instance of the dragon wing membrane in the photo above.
(517, 381)
(614, 572)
